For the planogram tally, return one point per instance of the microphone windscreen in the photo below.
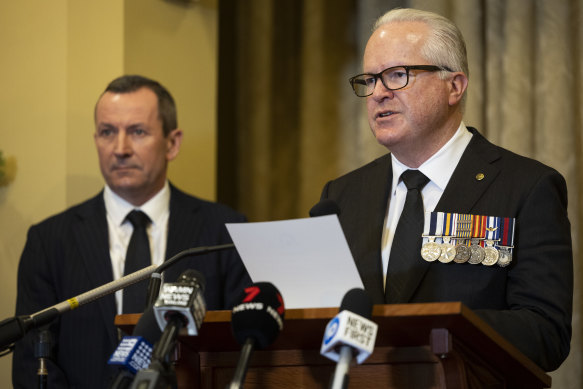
(325, 207)
(147, 327)
(358, 301)
(259, 316)
(192, 276)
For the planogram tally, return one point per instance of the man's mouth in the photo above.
(123, 167)
(385, 114)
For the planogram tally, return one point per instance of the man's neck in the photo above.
(415, 154)
(137, 198)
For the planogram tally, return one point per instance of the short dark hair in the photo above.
(166, 105)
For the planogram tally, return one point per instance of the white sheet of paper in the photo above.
(308, 260)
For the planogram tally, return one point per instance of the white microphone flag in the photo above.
(349, 329)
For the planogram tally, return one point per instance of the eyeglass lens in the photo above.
(392, 78)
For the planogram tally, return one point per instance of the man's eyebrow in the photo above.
(139, 124)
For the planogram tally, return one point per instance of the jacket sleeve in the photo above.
(539, 289)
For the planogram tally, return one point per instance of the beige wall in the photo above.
(55, 59)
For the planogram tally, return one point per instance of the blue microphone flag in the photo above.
(133, 353)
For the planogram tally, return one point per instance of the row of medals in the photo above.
(461, 252)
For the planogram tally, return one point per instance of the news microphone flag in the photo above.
(349, 329)
(132, 353)
(184, 297)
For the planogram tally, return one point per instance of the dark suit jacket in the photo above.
(68, 254)
(530, 301)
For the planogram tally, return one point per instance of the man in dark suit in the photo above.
(416, 75)
(85, 246)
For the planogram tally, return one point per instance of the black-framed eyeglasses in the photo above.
(393, 78)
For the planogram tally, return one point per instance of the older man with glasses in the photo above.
(447, 215)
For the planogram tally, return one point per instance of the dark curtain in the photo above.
(287, 117)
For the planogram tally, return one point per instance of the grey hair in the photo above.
(445, 45)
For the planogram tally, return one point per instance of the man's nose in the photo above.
(122, 144)
(380, 91)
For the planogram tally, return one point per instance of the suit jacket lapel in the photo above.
(472, 176)
(183, 228)
(91, 237)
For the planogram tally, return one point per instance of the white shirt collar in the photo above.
(440, 166)
(118, 208)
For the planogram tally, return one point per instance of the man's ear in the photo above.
(174, 140)
(458, 85)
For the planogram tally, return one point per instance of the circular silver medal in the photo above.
(462, 253)
(505, 258)
(430, 251)
(490, 256)
(476, 254)
(447, 253)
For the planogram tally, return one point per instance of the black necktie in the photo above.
(406, 246)
(137, 257)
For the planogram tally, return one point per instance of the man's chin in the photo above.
(386, 136)
(125, 186)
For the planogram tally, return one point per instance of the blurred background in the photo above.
(264, 101)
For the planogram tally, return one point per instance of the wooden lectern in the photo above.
(434, 345)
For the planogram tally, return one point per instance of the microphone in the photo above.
(14, 328)
(180, 305)
(350, 333)
(184, 299)
(255, 322)
(156, 277)
(134, 352)
(325, 207)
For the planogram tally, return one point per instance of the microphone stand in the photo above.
(340, 378)
(42, 351)
(160, 373)
(243, 364)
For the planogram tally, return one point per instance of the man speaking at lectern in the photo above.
(496, 235)
(137, 216)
